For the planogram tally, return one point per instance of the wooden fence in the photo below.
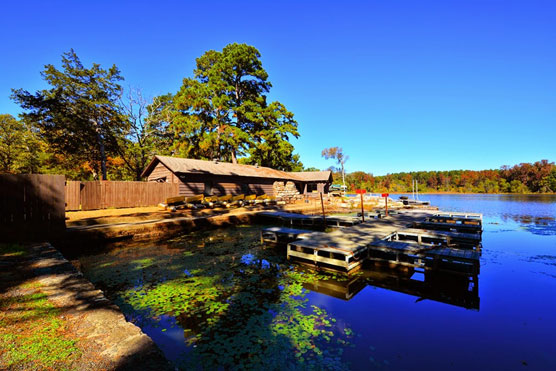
(105, 194)
(73, 195)
(31, 207)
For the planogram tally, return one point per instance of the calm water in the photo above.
(218, 299)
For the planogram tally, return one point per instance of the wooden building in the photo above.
(314, 181)
(220, 178)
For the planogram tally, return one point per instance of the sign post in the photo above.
(385, 195)
(362, 192)
(323, 214)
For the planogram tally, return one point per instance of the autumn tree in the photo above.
(12, 143)
(222, 112)
(537, 177)
(78, 116)
(337, 154)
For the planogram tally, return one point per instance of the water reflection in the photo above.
(236, 304)
(453, 289)
(543, 225)
(396, 316)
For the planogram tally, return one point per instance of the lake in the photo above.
(218, 299)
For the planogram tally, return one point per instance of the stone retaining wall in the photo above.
(116, 343)
(151, 230)
(286, 191)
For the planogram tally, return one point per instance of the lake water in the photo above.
(217, 299)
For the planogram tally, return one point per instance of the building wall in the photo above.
(310, 187)
(162, 172)
(219, 185)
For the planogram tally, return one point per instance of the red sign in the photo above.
(385, 194)
(360, 191)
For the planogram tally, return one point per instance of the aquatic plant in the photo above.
(246, 320)
(240, 306)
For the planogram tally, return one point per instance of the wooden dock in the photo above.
(444, 238)
(380, 241)
(310, 221)
(468, 216)
(346, 257)
(449, 226)
(293, 219)
(410, 202)
(456, 222)
(282, 236)
(425, 257)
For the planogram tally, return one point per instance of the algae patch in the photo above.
(236, 304)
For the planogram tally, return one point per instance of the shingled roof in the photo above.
(187, 165)
(314, 176)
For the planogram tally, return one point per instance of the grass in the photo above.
(14, 250)
(33, 334)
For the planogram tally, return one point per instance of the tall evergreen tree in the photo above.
(78, 116)
(222, 112)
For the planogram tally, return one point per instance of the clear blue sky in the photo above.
(400, 85)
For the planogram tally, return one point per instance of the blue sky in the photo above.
(400, 85)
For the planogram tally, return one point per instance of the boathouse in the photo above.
(221, 178)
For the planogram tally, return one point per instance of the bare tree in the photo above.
(146, 133)
(337, 154)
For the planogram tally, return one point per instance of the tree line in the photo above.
(87, 126)
(537, 177)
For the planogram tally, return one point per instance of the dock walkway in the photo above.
(315, 221)
(390, 241)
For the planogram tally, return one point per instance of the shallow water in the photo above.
(218, 299)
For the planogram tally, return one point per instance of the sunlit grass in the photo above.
(32, 334)
(12, 250)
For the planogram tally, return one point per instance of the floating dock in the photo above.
(293, 219)
(282, 236)
(443, 238)
(471, 223)
(310, 221)
(415, 202)
(424, 256)
(346, 258)
(468, 216)
(382, 242)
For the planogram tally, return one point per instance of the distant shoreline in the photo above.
(467, 193)
(470, 193)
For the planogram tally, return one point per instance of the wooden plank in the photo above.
(107, 194)
(33, 206)
(73, 199)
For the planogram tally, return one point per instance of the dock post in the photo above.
(323, 215)
(362, 209)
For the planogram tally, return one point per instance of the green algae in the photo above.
(239, 305)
